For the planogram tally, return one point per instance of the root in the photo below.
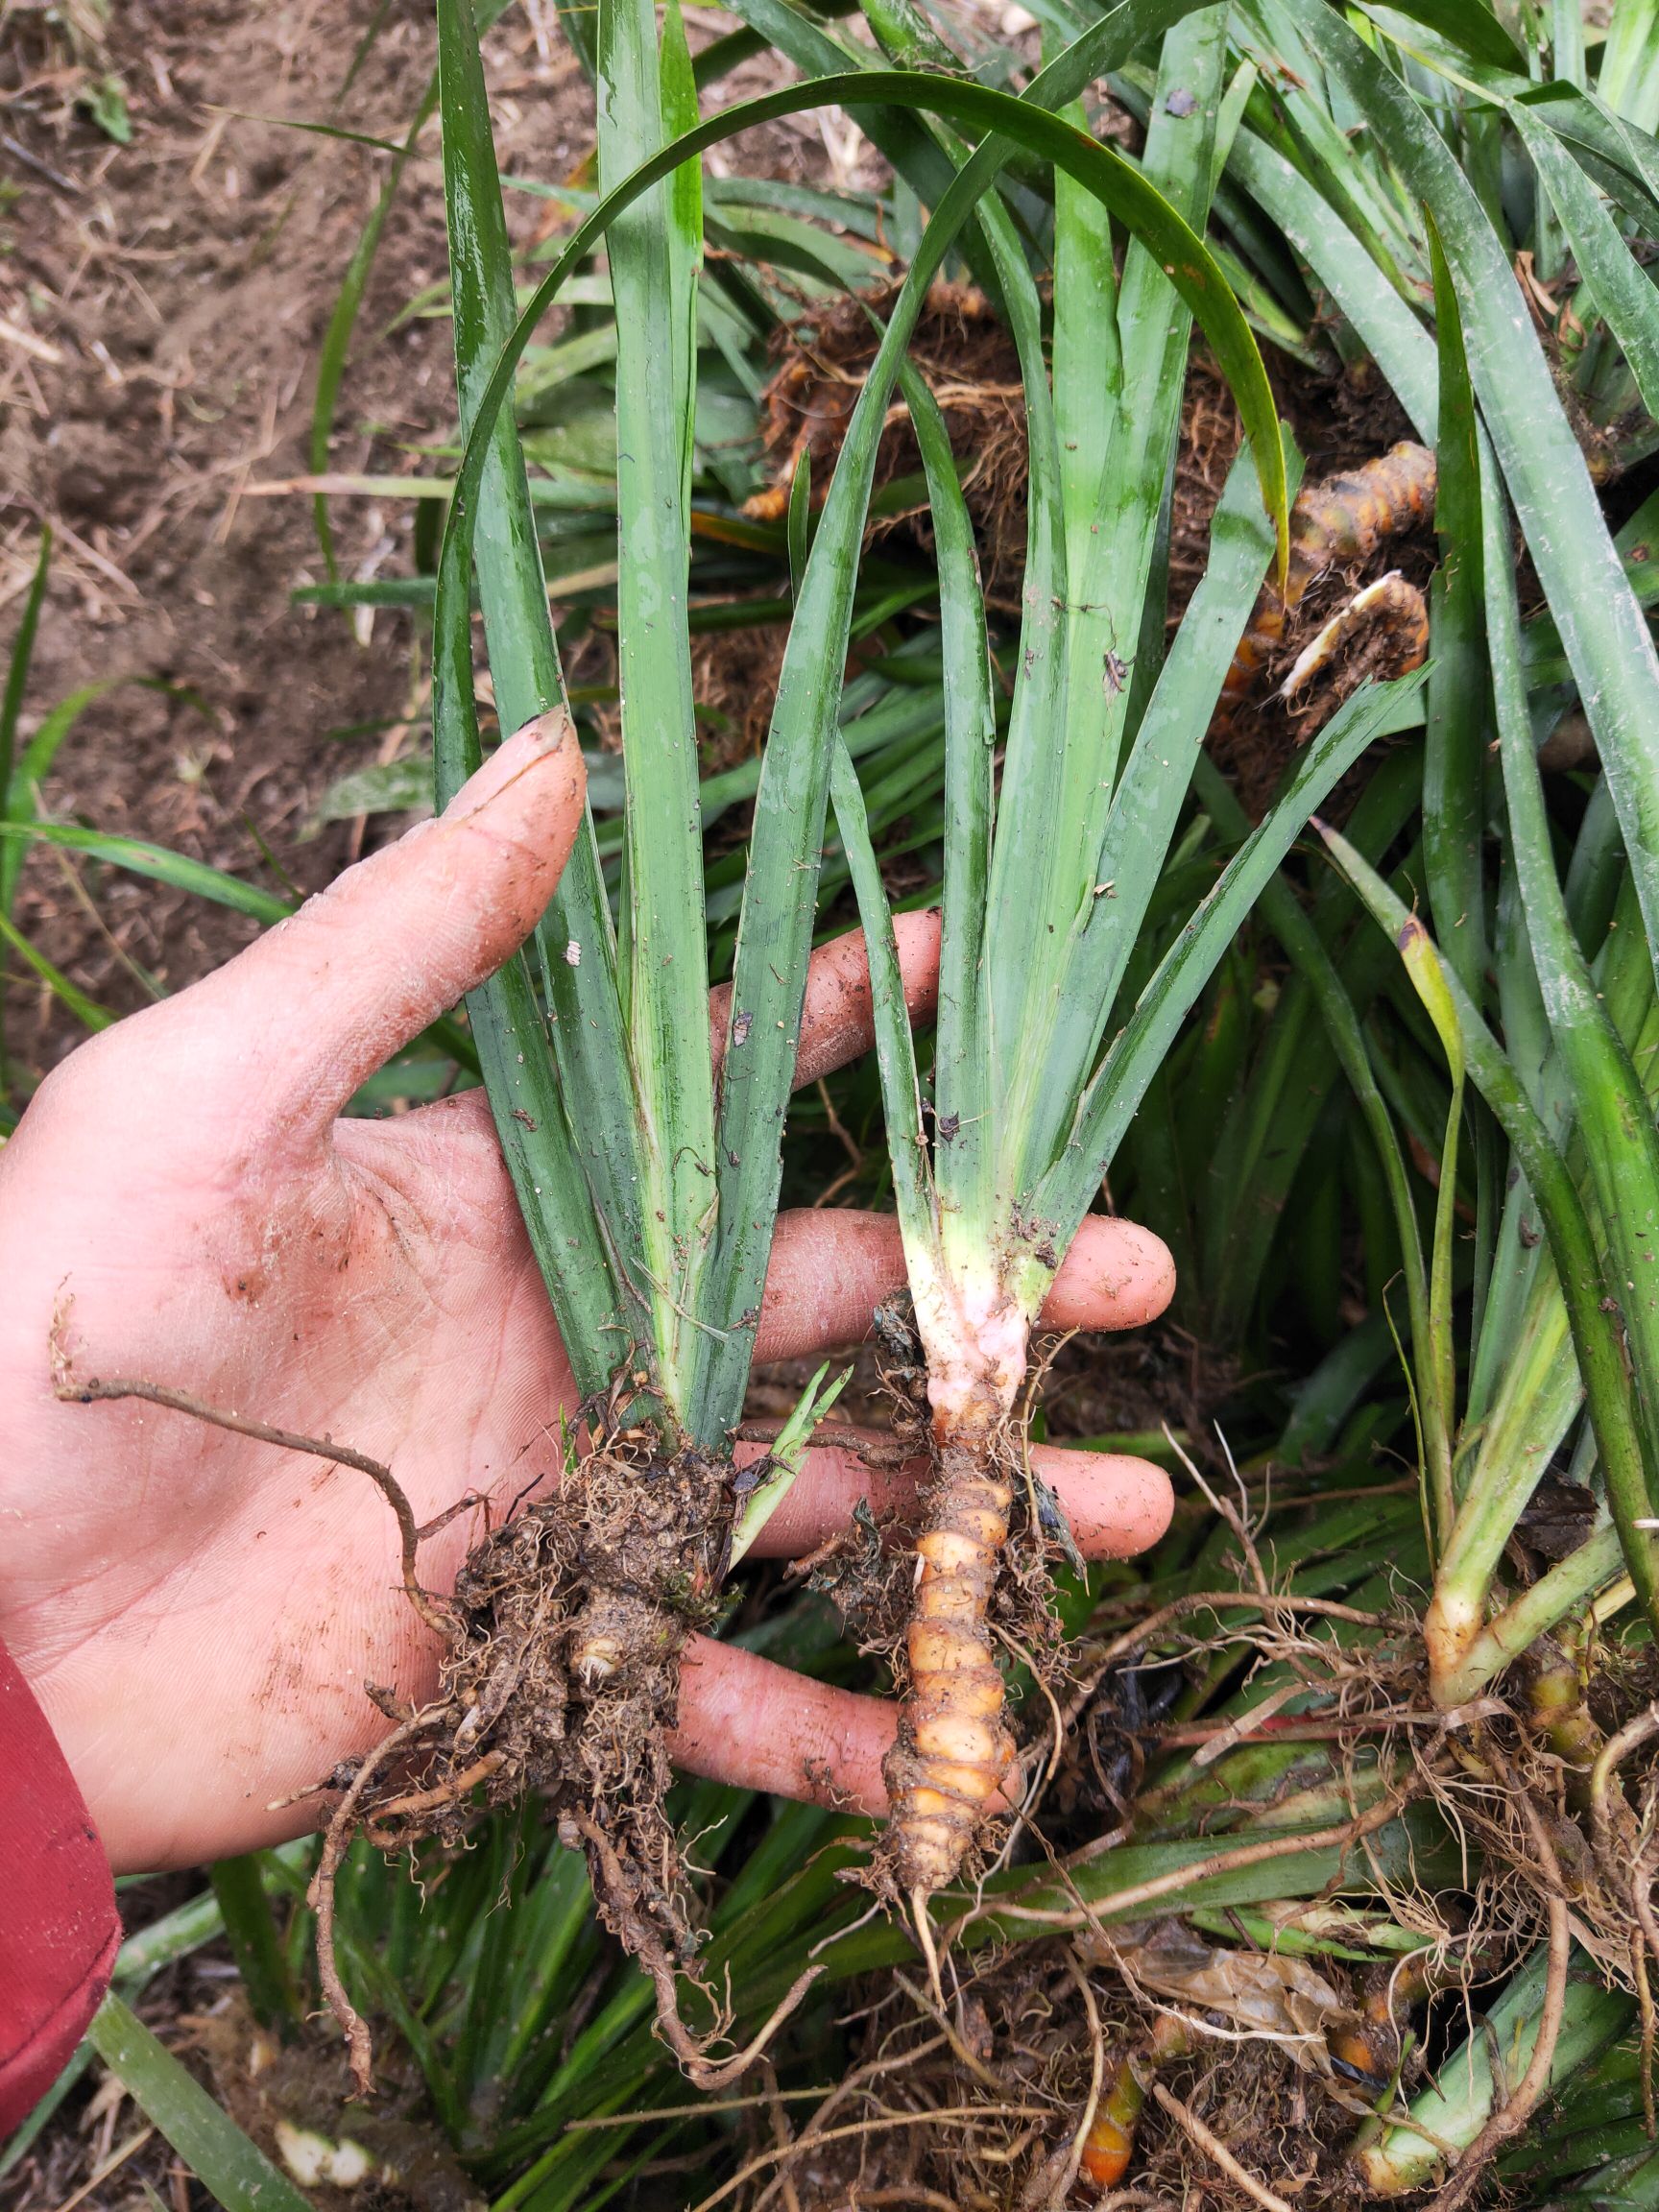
(1216, 2151)
(320, 1896)
(1387, 626)
(1335, 523)
(433, 1610)
(560, 1676)
(618, 1889)
(1518, 2108)
(954, 1748)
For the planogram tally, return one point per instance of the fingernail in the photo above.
(546, 734)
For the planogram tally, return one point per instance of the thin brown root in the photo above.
(1096, 2080)
(616, 1893)
(1641, 1899)
(438, 1616)
(1127, 1901)
(837, 1437)
(1275, 1602)
(965, 2116)
(1214, 2149)
(1604, 1806)
(320, 1896)
(701, 2071)
(1645, 2005)
(452, 1792)
(1518, 2108)
(959, 2049)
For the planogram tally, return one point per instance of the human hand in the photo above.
(198, 1612)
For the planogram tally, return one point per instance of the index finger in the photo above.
(837, 1016)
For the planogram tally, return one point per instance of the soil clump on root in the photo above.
(561, 1678)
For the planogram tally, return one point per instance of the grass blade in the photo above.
(546, 1150)
(654, 252)
(18, 667)
(1597, 1341)
(961, 1073)
(1622, 291)
(1134, 1056)
(230, 2166)
(1455, 753)
(895, 1046)
(1600, 620)
(336, 346)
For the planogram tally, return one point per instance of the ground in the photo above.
(162, 306)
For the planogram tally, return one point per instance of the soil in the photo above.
(559, 1679)
(164, 303)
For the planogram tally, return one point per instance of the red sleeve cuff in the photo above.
(59, 1927)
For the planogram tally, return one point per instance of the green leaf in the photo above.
(156, 862)
(18, 667)
(787, 1454)
(895, 1046)
(240, 1889)
(85, 1010)
(1397, 2158)
(1597, 1341)
(569, 1143)
(962, 1086)
(772, 946)
(1113, 900)
(1283, 913)
(234, 2170)
(336, 346)
(1135, 1054)
(1621, 290)
(1391, 333)
(654, 249)
(105, 101)
(1614, 1119)
(1457, 721)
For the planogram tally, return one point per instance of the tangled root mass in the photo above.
(561, 1678)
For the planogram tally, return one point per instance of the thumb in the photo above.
(289, 1030)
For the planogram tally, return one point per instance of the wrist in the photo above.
(59, 1927)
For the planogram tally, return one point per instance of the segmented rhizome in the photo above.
(988, 1534)
(561, 1677)
(954, 1744)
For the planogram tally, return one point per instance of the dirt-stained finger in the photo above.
(1118, 1506)
(830, 1269)
(837, 1022)
(747, 1722)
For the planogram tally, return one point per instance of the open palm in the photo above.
(199, 1613)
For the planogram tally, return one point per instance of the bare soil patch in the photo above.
(165, 301)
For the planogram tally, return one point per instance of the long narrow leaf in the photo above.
(962, 1090)
(546, 1145)
(654, 249)
(233, 2169)
(1598, 1342)
(1134, 1056)
(1601, 624)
